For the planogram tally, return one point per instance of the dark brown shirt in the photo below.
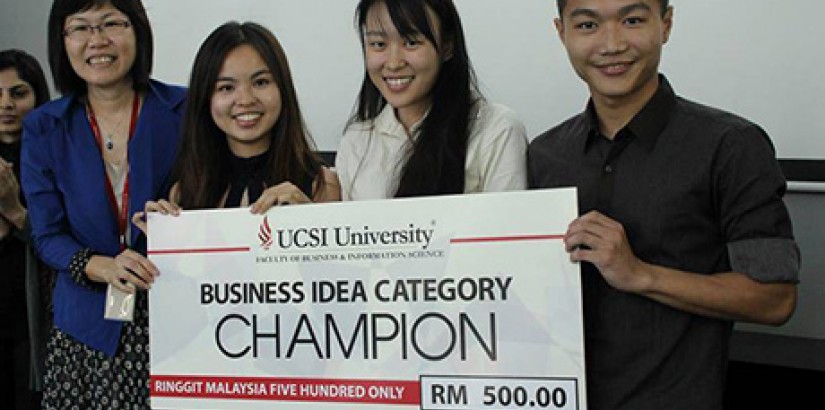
(696, 189)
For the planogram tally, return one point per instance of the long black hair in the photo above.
(202, 169)
(439, 151)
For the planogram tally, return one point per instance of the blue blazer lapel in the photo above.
(152, 151)
(140, 166)
(82, 159)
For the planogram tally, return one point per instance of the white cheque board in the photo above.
(454, 302)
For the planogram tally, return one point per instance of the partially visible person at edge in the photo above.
(421, 126)
(244, 138)
(22, 301)
(683, 230)
(89, 159)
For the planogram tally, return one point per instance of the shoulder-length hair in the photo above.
(202, 169)
(65, 78)
(29, 70)
(436, 164)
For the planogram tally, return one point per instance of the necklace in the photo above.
(109, 142)
(123, 174)
(110, 145)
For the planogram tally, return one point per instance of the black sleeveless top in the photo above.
(246, 176)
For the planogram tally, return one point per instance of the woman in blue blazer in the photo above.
(90, 159)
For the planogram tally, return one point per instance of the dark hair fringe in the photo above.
(29, 70)
(436, 165)
(202, 167)
(561, 4)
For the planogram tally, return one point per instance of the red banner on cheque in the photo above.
(287, 389)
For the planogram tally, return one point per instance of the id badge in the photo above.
(119, 304)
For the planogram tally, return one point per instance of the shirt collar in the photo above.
(387, 123)
(646, 125)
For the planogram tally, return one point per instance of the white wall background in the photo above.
(23, 26)
(757, 58)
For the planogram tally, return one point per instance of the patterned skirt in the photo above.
(81, 378)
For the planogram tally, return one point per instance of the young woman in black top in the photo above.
(244, 141)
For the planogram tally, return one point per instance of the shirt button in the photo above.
(608, 169)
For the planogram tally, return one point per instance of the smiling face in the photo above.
(246, 102)
(16, 100)
(404, 69)
(615, 46)
(104, 59)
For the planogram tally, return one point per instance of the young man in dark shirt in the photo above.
(683, 229)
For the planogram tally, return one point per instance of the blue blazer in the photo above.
(64, 182)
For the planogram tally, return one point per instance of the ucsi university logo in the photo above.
(342, 236)
(265, 234)
(291, 238)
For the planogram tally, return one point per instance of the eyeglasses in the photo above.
(83, 32)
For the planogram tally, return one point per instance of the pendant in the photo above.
(109, 143)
